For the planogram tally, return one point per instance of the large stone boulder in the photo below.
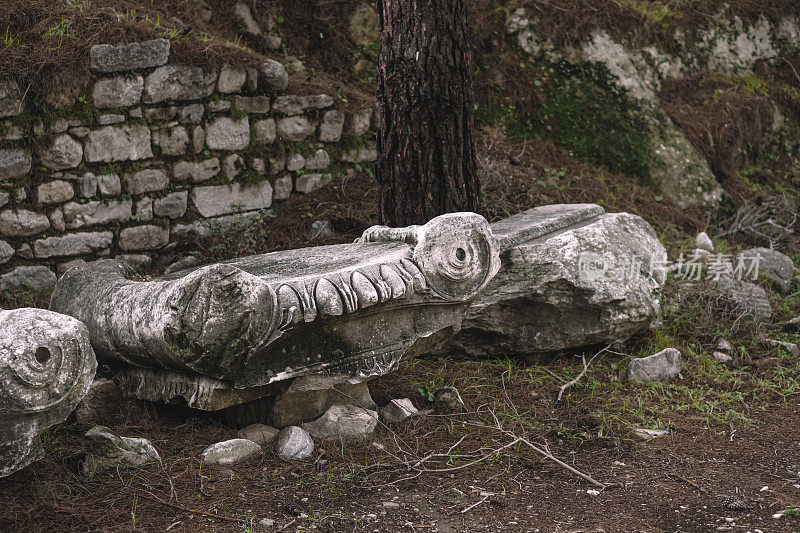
(769, 264)
(46, 368)
(572, 276)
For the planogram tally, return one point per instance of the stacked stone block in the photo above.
(169, 153)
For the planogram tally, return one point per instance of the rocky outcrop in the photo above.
(46, 368)
(572, 276)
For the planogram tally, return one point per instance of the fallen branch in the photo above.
(156, 499)
(567, 385)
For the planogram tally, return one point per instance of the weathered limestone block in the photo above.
(54, 192)
(231, 79)
(297, 105)
(10, 99)
(244, 18)
(129, 142)
(661, 366)
(172, 205)
(72, 244)
(282, 188)
(348, 311)
(6, 252)
(178, 83)
(143, 238)
(572, 277)
(196, 171)
(109, 451)
(133, 56)
(330, 129)
(295, 128)
(264, 131)
(772, 265)
(173, 141)
(46, 368)
(308, 183)
(14, 162)
(148, 180)
(252, 104)
(22, 223)
(342, 421)
(119, 91)
(29, 278)
(273, 76)
(215, 200)
(226, 133)
(64, 153)
(94, 213)
(109, 184)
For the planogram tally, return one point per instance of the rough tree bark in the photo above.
(426, 156)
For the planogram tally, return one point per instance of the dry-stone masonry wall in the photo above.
(152, 153)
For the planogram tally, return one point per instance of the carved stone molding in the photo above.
(350, 310)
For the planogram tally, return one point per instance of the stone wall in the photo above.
(155, 153)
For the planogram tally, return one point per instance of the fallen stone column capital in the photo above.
(46, 368)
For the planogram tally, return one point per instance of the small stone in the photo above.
(722, 357)
(788, 346)
(137, 261)
(127, 57)
(265, 131)
(447, 400)
(143, 238)
(80, 131)
(391, 505)
(173, 141)
(148, 180)
(724, 346)
(282, 188)
(232, 166)
(14, 163)
(218, 106)
(330, 130)
(109, 184)
(252, 104)
(144, 209)
(20, 195)
(136, 112)
(6, 252)
(56, 218)
(768, 264)
(109, 451)
(295, 105)
(258, 433)
(662, 366)
(110, 118)
(793, 324)
(321, 229)
(25, 251)
(397, 411)
(342, 421)
(191, 114)
(87, 185)
(258, 165)
(155, 115)
(277, 165)
(196, 171)
(182, 264)
(22, 223)
(294, 443)
(225, 133)
(65, 152)
(360, 121)
(649, 434)
(244, 17)
(266, 522)
(308, 183)
(229, 452)
(295, 162)
(252, 79)
(54, 192)
(10, 99)
(273, 76)
(703, 242)
(32, 278)
(172, 205)
(119, 91)
(318, 161)
(231, 79)
(198, 139)
(100, 403)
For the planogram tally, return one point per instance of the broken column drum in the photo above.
(350, 310)
(46, 368)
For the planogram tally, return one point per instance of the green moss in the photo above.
(588, 115)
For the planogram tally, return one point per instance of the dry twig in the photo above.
(567, 385)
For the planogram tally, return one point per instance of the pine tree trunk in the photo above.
(426, 155)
